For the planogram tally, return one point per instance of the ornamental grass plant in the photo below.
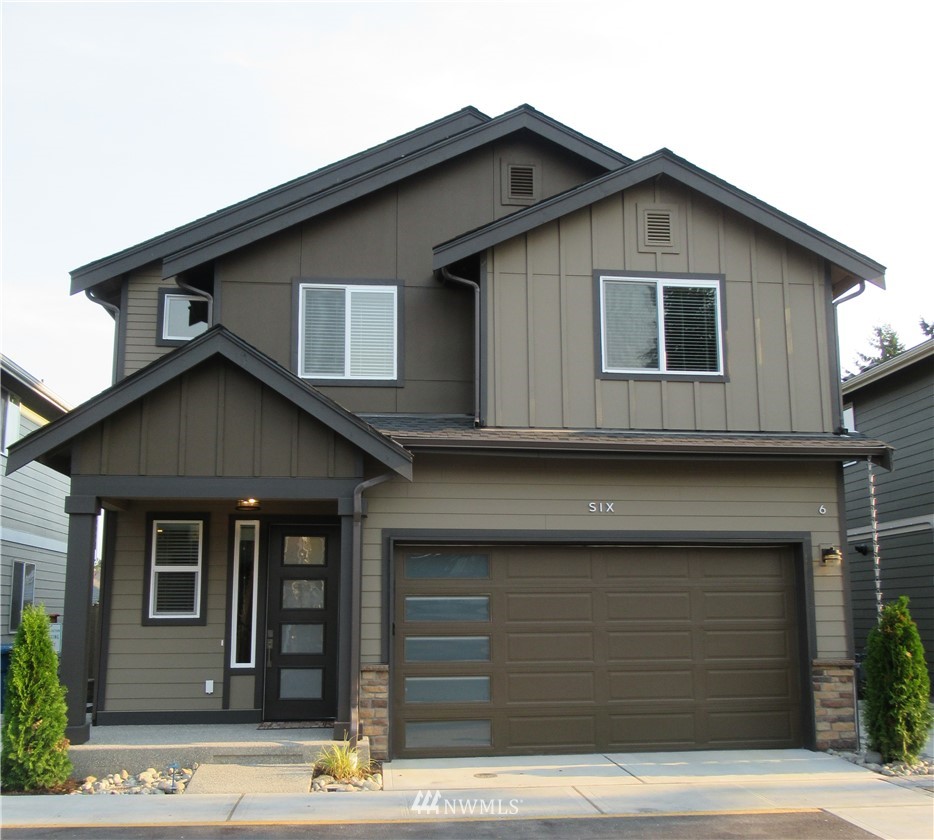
(898, 687)
(342, 763)
(35, 749)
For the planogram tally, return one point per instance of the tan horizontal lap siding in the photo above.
(141, 316)
(552, 496)
(163, 668)
(541, 340)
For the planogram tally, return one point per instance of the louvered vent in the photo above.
(659, 230)
(520, 183)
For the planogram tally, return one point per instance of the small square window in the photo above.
(182, 317)
(660, 326)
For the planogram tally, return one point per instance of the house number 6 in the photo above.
(601, 507)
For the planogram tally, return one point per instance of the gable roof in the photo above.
(46, 444)
(296, 201)
(663, 162)
(32, 392)
(876, 373)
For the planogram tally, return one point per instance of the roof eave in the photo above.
(48, 443)
(668, 164)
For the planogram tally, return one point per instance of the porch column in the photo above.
(82, 524)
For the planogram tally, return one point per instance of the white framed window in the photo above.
(243, 605)
(662, 326)
(348, 331)
(176, 564)
(23, 591)
(182, 317)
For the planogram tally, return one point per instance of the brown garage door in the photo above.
(516, 650)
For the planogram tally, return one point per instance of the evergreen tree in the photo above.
(927, 330)
(898, 713)
(35, 749)
(885, 342)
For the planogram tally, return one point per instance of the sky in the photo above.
(122, 120)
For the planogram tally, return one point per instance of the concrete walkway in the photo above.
(553, 787)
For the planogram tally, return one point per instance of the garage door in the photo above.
(518, 650)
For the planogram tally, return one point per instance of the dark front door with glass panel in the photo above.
(301, 623)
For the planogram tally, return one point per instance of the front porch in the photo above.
(135, 748)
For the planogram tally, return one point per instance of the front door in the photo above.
(301, 623)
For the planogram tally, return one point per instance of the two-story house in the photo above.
(890, 514)
(33, 523)
(487, 440)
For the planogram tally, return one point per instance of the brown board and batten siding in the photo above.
(387, 236)
(541, 286)
(672, 501)
(214, 421)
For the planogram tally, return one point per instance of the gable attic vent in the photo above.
(520, 183)
(658, 231)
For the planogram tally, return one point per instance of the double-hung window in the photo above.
(661, 326)
(176, 570)
(348, 331)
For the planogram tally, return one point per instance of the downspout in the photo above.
(356, 599)
(453, 278)
(115, 314)
(198, 293)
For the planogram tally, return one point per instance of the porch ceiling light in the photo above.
(248, 504)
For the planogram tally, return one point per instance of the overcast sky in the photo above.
(122, 120)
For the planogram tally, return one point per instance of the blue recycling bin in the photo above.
(4, 667)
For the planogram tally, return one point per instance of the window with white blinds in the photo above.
(175, 576)
(668, 326)
(347, 332)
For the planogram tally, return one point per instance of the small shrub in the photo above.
(35, 749)
(898, 714)
(342, 763)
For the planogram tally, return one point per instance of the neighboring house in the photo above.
(33, 523)
(486, 440)
(894, 401)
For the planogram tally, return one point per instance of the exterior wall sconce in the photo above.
(831, 555)
(247, 505)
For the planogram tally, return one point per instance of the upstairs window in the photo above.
(348, 332)
(176, 571)
(181, 317)
(660, 326)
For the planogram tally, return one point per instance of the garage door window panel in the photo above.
(447, 734)
(447, 689)
(447, 608)
(447, 649)
(447, 566)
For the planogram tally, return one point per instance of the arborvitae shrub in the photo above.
(35, 749)
(898, 688)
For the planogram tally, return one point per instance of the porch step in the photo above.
(231, 777)
(258, 759)
(135, 748)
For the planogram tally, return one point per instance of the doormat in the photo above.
(296, 724)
